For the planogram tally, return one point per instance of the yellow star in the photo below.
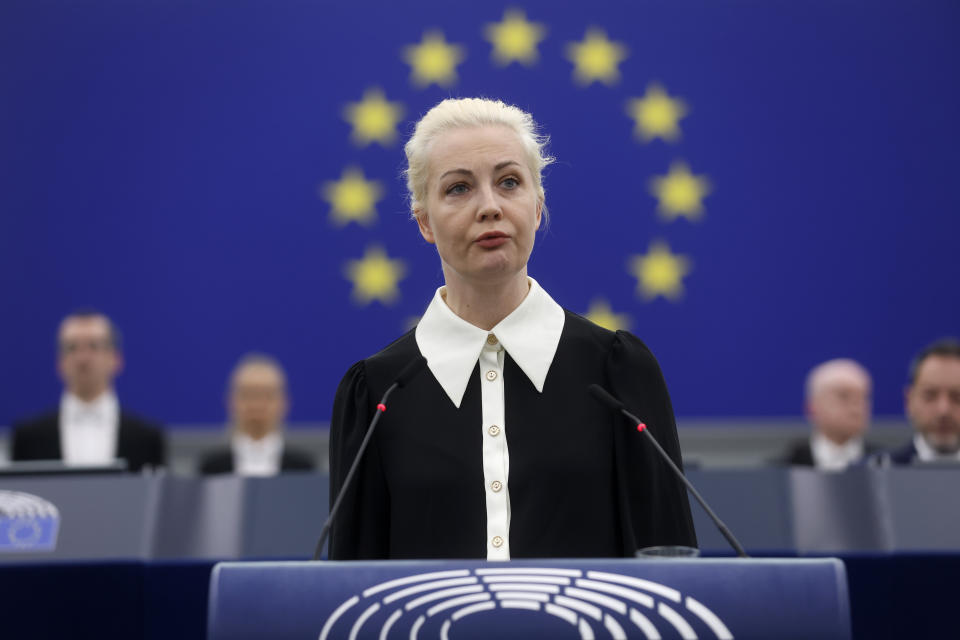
(659, 272)
(514, 38)
(680, 192)
(600, 313)
(656, 114)
(375, 276)
(374, 118)
(433, 60)
(352, 198)
(596, 58)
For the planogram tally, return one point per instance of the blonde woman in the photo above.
(497, 451)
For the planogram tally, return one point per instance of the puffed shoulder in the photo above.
(625, 344)
(367, 379)
(355, 376)
(352, 412)
(348, 423)
(352, 398)
(627, 351)
(637, 381)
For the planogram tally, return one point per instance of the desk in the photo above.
(891, 596)
(773, 511)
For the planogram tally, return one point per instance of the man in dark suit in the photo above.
(90, 428)
(257, 403)
(933, 407)
(838, 408)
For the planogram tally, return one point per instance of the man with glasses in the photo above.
(89, 428)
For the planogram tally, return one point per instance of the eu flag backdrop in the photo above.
(751, 187)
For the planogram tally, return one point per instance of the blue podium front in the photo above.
(616, 598)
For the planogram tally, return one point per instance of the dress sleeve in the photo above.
(361, 528)
(654, 498)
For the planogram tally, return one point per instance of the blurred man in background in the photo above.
(90, 428)
(838, 401)
(257, 403)
(933, 406)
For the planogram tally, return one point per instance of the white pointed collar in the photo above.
(452, 346)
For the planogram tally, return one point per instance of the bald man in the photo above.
(257, 403)
(838, 403)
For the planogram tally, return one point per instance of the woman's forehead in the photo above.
(492, 144)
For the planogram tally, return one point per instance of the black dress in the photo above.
(583, 482)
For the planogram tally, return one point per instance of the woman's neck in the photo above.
(485, 305)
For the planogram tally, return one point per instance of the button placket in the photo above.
(495, 454)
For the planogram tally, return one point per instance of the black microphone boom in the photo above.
(406, 375)
(601, 394)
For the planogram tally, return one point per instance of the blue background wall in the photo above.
(164, 160)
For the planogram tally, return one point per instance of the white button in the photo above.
(494, 430)
(491, 375)
(491, 339)
(497, 541)
(496, 485)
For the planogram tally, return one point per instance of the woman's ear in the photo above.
(423, 221)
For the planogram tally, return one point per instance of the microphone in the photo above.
(601, 394)
(406, 374)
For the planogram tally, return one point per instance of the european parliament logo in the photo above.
(552, 602)
(27, 522)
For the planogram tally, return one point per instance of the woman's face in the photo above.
(481, 207)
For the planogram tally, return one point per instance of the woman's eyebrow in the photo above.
(467, 172)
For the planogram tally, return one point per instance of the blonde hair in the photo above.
(457, 113)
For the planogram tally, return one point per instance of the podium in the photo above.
(583, 599)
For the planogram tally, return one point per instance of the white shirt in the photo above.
(88, 430)
(830, 456)
(453, 346)
(256, 457)
(926, 453)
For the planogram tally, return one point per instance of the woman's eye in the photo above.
(457, 189)
(509, 183)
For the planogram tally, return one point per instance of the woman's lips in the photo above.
(492, 240)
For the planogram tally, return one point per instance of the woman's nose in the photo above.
(488, 207)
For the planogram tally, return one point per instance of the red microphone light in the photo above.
(641, 427)
(381, 407)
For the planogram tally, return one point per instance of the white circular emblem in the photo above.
(24, 532)
(591, 604)
(27, 522)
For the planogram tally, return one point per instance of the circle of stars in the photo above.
(656, 115)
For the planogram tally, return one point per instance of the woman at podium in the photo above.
(496, 450)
